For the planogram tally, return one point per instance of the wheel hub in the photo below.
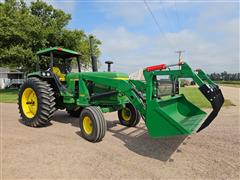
(29, 103)
(87, 125)
(126, 114)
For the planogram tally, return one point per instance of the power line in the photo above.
(171, 23)
(180, 52)
(177, 15)
(154, 18)
(156, 21)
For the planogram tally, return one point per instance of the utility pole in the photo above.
(180, 55)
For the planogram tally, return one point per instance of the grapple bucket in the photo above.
(174, 116)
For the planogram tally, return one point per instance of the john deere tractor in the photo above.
(87, 95)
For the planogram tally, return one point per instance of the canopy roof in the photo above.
(58, 52)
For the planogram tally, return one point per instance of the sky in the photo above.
(208, 32)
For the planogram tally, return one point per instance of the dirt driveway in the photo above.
(57, 151)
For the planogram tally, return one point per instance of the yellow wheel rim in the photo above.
(29, 103)
(87, 125)
(126, 114)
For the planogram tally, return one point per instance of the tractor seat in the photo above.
(58, 73)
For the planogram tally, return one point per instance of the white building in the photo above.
(10, 78)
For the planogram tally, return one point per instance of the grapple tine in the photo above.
(215, 97)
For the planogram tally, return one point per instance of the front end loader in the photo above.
(87, 95)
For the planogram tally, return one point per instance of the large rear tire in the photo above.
(36, 102)
(92, 124)
(129, 116)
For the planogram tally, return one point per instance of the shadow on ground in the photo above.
(63, 117)
(137, 140)
(141, 143)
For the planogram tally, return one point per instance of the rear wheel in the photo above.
(92, 124)
(129, 116)
(36, 102)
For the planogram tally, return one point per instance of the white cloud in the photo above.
(119, 39)
(131, 12)
(211, 43)
(214, 10)
(67, 6)
(133, 51)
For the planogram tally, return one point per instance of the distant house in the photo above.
(10, 78)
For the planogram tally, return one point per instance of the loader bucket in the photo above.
(174, 116)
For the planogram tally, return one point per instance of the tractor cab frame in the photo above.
(57, 52)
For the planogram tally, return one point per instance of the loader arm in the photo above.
(121, 85)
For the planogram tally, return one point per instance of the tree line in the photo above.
(225, 76)
(25, 29)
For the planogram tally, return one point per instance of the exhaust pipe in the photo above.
(93, 58)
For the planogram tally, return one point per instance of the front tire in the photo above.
(129, 116)
(36, 102)
(92, 124)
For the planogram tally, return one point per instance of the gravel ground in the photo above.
(58, 151)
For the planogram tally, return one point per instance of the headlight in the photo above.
(43, 73)
(48, 74)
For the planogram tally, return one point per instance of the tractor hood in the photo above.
(110, 75)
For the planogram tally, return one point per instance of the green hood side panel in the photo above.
(114, 75)
(105, 75)
(98, 88)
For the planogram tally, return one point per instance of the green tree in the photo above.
(26, 29)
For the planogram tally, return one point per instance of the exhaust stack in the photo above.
(93, 58)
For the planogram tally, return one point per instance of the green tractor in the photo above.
(87, 95)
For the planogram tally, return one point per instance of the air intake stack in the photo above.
(108, 65)
(93, 57)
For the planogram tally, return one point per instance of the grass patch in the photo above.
(229, 83)
(8, 95)
(197, 98)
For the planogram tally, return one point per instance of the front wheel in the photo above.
(92, 124)
(129, 116)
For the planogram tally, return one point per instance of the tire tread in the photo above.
(46, 102)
